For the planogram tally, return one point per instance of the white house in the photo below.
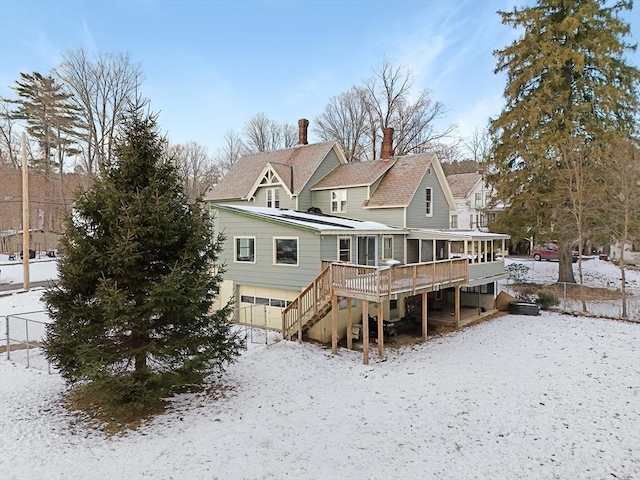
(472, 196)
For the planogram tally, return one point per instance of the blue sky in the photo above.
(211, 65)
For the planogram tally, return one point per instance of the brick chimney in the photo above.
(303, 125)
(387, 143)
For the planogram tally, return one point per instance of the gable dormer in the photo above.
(273, 188)
(291, 170)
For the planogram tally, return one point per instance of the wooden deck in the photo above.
(377, 283)
(368, 283)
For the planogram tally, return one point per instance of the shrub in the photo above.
(517, 272)
(546, 300)
(526, 293)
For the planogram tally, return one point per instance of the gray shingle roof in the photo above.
(461, 184)
(400, 183)
(401, 177)
(350, 174)
(295, 165)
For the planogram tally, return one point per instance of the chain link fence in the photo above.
(22, 342)
(252, 320)
(576, 299)
(24, 334)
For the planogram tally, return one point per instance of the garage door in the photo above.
(263, 306)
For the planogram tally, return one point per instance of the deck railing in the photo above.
(307, 304)
(372, 283)
(368, 283)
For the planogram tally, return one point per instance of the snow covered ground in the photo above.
(39, 270)
(596, 273)
(546, 397)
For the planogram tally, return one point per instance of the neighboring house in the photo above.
(630, 254)
(49, 198)
(315, 244)
(472, 196)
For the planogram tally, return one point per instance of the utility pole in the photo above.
(25, 215)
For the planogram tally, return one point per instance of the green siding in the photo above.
(261, 198)
(356, 196)
(305, 197)
(416, 216)
(329, 247)
(485, 270)
(263, 272)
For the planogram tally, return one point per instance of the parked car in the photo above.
(549, 251)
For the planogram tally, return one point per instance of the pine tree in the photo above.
(132, 306)
(569, 89)
(52, 119)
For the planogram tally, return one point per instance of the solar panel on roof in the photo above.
(311, 220)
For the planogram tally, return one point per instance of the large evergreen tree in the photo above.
(132, 309)
(569, 89)
(52, 118)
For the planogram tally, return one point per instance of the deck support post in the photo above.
(334, 324)
(365, 332)
(380, 331)
(425, 305)
(349, 325)
(457, 306)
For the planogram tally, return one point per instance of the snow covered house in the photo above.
(316, 246)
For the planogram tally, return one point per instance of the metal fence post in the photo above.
(26, 332)
(266, 333)
(6, 318)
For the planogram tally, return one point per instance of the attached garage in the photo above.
(262, 306)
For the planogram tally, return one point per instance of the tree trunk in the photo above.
(565, 259)
(623, 288)
(623, 276)
(141, 362)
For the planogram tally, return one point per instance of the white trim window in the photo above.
(478, 199)
(387, 247)
(429, 202)
(344, 249)
(454, 221)
(339, 201)
(244, 249)
(285, 251)
(273, 198)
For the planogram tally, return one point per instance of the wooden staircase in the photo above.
(309, 307)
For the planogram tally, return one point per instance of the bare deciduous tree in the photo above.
(9, 138)
(390, 100)
(448, 152)
(345, 120)
(387, 100)
(195, 166)
(578, 180)
(289, 135)
(232, 149)
(261, 134)
(102, 87)
(478, 145)
(621, 201)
